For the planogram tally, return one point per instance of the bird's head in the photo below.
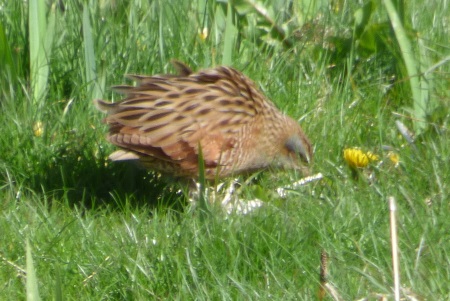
(295, 149)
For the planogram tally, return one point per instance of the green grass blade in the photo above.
(31, 283)
(229, 38)
(89, 55)
(50, 32)
(39, 67)
(58, 285)
(203, 202)
(161, 34)
(420, 95)
(7, 64)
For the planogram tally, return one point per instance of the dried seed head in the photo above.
(165, 118)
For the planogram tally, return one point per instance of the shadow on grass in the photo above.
(87, 182)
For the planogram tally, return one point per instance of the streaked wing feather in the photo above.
(175, 114)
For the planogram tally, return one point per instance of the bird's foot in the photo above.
(226, 196)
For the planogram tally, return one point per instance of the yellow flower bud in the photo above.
(38, 129)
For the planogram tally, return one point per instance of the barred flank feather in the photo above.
(163, 120)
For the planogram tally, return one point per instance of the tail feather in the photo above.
(182, 68)
(122, 155)
(104, 106)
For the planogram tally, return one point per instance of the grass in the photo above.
(75, 226)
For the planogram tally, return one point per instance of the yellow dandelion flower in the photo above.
(38, 129)
(203, 34)
(372, 156)
(357, 158)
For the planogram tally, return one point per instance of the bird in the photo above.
(167, 121)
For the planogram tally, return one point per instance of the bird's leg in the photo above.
(228, 198)
(230, 201)
(233, 204)
(194, 192)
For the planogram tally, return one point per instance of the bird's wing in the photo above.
(168, 117)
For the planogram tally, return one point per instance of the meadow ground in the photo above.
(75, 226)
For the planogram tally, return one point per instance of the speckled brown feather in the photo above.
(165, 118)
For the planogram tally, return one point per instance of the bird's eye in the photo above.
(296, 146)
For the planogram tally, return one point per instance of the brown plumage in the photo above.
(166, 118)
